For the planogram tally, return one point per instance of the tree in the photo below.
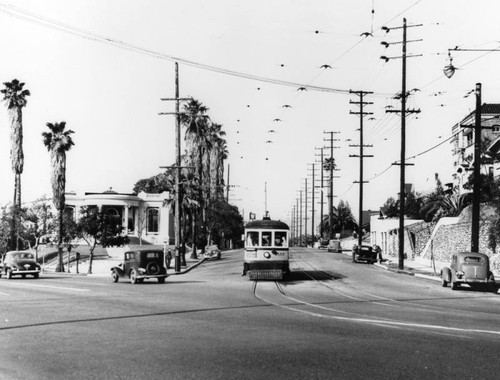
(58, 141)
(40, 222)
(98, 228)
(14, 95)
(342, 219)
(391, 208)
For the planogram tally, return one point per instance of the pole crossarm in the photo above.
(399, 164)
(413, 110)
(177, 167)
(176, 99)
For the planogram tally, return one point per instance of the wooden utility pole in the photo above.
(179, 256)
(321, 195)
(476, 194)
(404, 111)
(361, 114)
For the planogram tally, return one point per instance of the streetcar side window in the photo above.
(280, 239)
(252, 239)
(266, 238)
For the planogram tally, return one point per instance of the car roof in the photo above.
(470, 254)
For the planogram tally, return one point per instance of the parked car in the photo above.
(365, 253)
(18, 263)
(140, 265)
(468, 268)
(322, 243)
(334, 246)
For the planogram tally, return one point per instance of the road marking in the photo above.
(3, 294)
(50, 287)
(380, 322)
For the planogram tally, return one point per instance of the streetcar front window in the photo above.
(280, 239)
(266, 238)
(252, 239)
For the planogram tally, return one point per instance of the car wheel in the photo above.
(218, 256)
(8, 272)
(161, 280)
(114, 276)
(153, 268)
(23, 276)
(35, 275)
(444, 283)
(133, 276)
(453, 285)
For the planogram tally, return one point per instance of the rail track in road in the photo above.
(280, 295)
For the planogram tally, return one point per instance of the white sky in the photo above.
(110, 96)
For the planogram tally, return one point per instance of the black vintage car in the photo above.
(366, 254)
(140, 265)
(19, 263)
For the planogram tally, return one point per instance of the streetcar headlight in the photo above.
(267, 255)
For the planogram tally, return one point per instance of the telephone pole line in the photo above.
(361, 114)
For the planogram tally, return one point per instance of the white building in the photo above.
(463, 144)
(146, 217)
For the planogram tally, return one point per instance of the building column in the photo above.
(125, 221)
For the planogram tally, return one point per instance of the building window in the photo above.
(153, 220)
(131, 220)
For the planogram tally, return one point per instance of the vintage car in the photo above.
(19, 263)
(212, 252)
(366, 254)
(322, 243)
(139, 265)
(468, 268)
(334, 246)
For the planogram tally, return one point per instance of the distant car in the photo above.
(140, 265)
(18, 263)
(322, 243)
(334, 246)
(366, 254)
(468, 268)
(212, 252)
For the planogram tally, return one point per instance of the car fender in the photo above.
(118, 270)
(446, 274)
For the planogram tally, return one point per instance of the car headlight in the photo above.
(267, 255)
(142, 270)
(460, 273)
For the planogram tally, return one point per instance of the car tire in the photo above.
(453, 285)
(35, 276)
(133, 276)
(161, 280)
(114, 276)
(8, 273)
(153, 268)
(444, 283)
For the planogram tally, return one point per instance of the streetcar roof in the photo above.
(267, 224)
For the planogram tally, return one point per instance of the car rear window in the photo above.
(473, 260)
(152, 255)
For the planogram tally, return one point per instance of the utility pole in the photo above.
(178, 167)
(332, 167)
(297, 222)
(300, 218)
(227, 187)
(476, 196)
(292, 225)
(321, 195)
(312, 204)
(305, 211)
(404, 95)
(361, 114)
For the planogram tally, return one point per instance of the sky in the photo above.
(104, 65)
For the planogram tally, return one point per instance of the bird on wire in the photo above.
(325, 66)
(277, 120)
(302, 89)
(287, 106)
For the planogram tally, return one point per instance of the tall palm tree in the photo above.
(196, 121)
(14, 95)
(58, 141)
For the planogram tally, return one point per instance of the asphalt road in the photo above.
(332, 319)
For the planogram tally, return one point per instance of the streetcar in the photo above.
(266, 249)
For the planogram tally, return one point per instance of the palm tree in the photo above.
(15, 98)
(197, 122)
(58, 141)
